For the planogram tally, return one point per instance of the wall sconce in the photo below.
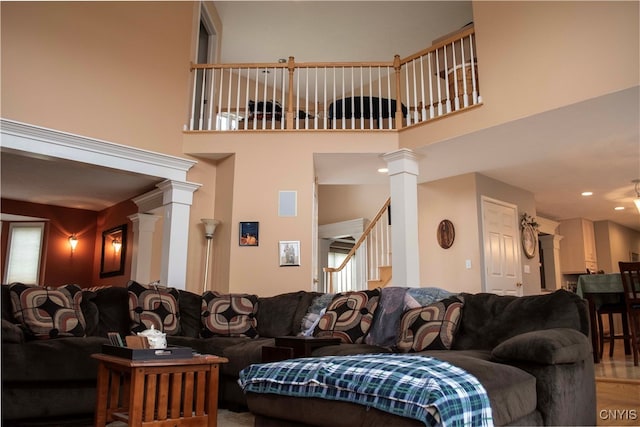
(73, 242)
(117, 245)
(209, 228)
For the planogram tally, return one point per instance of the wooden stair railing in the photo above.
(373, 249)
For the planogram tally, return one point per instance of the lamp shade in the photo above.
(209, 226)
(637, 202)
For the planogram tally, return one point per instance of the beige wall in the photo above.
(614, 243)
(123, 78)
(528, 50)
(458, 199)
(264, 164)
(453, 199)
(345, 202)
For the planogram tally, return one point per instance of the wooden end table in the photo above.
(295, 347)
(157, 393)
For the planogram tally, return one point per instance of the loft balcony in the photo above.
(368, 96)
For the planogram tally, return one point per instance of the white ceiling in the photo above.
(594, 145)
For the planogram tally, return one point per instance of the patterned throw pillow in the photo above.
(229, 315)
(153, 305)
(48, 312)
(431, 327)
(349, 316)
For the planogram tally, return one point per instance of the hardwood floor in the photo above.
(618, 389)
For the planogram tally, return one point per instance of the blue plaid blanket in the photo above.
(411, 386)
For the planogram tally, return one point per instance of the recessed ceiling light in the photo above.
(619, 208)
(383, 170)
(587, 193)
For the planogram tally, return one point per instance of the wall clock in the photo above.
(446, 234)
(529, 241)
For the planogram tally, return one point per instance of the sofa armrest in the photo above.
(548, 346)
(11, 332)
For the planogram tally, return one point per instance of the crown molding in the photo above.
(36, 140)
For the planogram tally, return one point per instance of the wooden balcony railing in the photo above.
(434, 82)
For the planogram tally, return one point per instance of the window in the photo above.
(24, 252)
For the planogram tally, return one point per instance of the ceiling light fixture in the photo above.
(587, 193)
(636, 201)
(619, 208)
(383, 170)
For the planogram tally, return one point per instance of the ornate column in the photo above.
(403, 176)
(143, 229)
(177, 198)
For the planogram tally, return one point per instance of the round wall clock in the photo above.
(529, 241)
(446, 234)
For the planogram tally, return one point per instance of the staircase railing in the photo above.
(371, 253)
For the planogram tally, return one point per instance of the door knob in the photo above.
(519, 285)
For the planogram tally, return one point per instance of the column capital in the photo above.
(403, 160)
(178, 191)
(145, 222)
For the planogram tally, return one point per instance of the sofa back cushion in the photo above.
(275, 314)
(112, 303)
(488, 319)
(190, 313)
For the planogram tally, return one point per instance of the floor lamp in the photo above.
(209, 228)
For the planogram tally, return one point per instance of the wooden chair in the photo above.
(630, 272)
(609, 309)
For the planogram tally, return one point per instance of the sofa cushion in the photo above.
(243, 354)
(349, 316)
(65, 359)
(490, 319)
(230, 315)
(551, 346)
(11, 332)
(386, 322)
(512, 391)
(275, 314)
(113, 311)
(316, 309)
(430, 327)
(153, 305)
(48, 313)
(303, 307)
(190, 312)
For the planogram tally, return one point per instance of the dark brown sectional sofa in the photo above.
(532, 354)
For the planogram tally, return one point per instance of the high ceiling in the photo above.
(593, 145)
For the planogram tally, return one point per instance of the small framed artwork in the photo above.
(249, 233)
(113, 255)
(289, 253)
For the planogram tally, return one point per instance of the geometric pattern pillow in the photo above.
(48, 313)
(153, 305)
(229, 315)
(349, 316)
(431, 327)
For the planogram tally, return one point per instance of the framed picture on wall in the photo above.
(249, 233)
(114, 248)
(289, 252)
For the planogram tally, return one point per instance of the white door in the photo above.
(502, 271)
